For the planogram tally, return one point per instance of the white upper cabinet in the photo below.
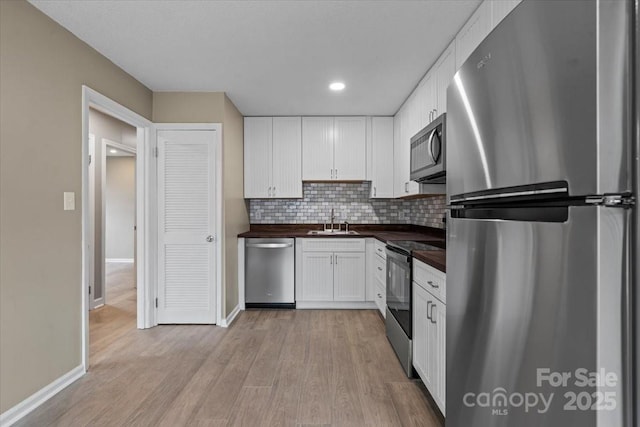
(272, 157)
(334, 148)
(257, 157)
(473, 32)
(444, 71)
(382, 132)
(350, 140)
(317, 148)
(408, 121)
(287, 157)
(500, 9)
(426, 103)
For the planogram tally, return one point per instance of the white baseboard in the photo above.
(226, 322)
(124, 260)
(337, 305)
(13, 415)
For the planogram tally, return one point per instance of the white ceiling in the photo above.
(272, 57)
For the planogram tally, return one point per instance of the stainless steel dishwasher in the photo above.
(270, 273)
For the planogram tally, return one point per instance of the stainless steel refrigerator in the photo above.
(542, 152)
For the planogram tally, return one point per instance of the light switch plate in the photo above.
(69, 201)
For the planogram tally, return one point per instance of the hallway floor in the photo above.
(118, 316)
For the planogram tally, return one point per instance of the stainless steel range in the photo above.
(399, 278)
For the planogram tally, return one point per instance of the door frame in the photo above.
(145, 210)
(219, 232)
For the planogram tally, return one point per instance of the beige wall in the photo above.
(236, 218)
(42, 70)
(103, 126)
(120, 207)
(216, 107)
(188, 107)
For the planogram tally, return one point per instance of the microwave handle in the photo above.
(430, 144)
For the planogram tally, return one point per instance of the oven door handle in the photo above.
(398, 252)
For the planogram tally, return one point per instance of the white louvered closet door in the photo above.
(187, 248)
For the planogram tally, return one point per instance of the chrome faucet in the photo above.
(333, 219)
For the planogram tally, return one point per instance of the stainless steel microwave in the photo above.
(428, 153)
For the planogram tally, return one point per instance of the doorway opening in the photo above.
(118, 255)
(112, 227)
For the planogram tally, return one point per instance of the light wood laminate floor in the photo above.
(270, 368)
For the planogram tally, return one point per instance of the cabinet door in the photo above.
(398, 181)
(382, 131)
(473, 32)
(409, 115)
(257, 157)
(349, 276)
(426, 102)
(287, 157)
(500, 9)
(317, 276)
(317, 148)
(421, 328)
(350, 153)
(438, 352)
(381, 299)
(444, 72)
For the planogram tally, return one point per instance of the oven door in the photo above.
(399, 288)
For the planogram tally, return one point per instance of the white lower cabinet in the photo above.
(377, 274)
(381, 298)
(317, 276)
(349, 276)
(331, 274)
(429, 342)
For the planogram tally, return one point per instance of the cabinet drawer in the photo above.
(380, 249)
(430, 279)
(380, 269)
(381, 298)
(333, 245)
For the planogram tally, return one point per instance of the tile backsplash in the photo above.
(351, 203)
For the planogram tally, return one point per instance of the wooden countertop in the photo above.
(384, 233)
(436, 259)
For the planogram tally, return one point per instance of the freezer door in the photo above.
(523, 108)
(526, 308)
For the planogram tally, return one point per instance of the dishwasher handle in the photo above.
(269, 245)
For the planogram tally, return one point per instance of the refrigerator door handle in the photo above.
(621, 200)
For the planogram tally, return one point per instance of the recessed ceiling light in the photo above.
(113, 151)
(337, 86)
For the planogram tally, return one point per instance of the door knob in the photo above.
(209, 238)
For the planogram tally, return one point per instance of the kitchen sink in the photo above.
(332, 233)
